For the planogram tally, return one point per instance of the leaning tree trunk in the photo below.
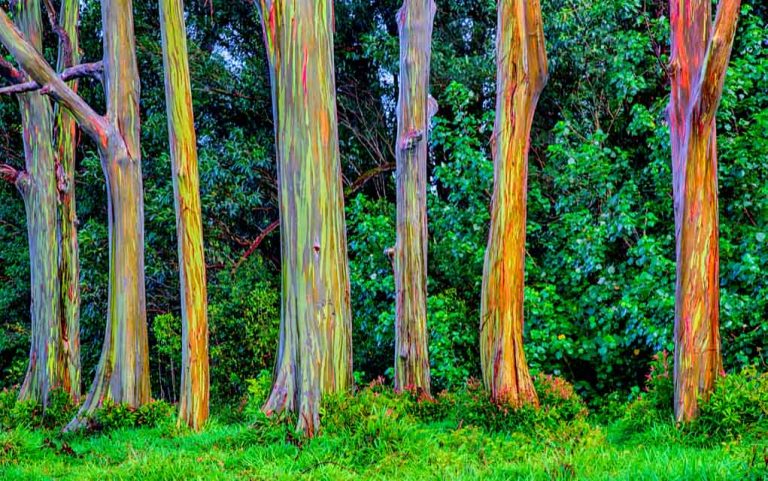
(414, 110)
(315, 351)
(700, 54)
(521, 75)
(122, 374)
(66, 143)
(193, 404)
(38, 189)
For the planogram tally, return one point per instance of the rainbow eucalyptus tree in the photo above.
(193, 403)
(122, 374)
(66, 146)
(521, 75)
(414, 109)
(315, 351)
(699, 59)
(38, 187)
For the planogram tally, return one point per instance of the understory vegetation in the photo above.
(377, 434)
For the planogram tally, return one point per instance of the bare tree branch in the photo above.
(93, 70)
(256, 242)
(11, 73)
(93, 124)
(64, 40)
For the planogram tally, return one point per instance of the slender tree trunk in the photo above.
(700, 54)
(69, 271)
(521, 76)
(38, 188)
(414, 110)
(193, 404)
(315, 351)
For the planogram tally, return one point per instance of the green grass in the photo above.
(409, 451)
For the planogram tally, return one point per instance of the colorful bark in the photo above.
(414, 109)
(315, 351)
(193, 403)
(122, 374)
(66, 144)
(38, 188)
(700, 54)
(521, 76)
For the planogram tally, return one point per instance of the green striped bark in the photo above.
(38, 188)
(315, 351)
(699, 59)
(122, 374)
(193, 403)
(66, 145)
(414, 110)
(521, 75)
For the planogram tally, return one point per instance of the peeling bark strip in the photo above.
(66, 146)
(193, 403)
(521, 76)
(414, 110)
(46, 369)
(700, 55)
(315, 351)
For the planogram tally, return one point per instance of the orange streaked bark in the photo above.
(414, 110)
(194, 400)
(700, 55)
(315, 351)
(521, 76)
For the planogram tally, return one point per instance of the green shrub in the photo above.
(111, 416)
(258, 392)
(737, 408)
(60, 409)
(244, 317)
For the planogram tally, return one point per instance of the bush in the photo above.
(244, 317)
(111, 416)
(737, 408)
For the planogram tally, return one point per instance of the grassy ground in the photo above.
(412, 451)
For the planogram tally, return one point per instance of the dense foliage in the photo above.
(600, 267)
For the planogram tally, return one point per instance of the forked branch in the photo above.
(41, 72)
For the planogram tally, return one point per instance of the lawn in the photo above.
(407, 451)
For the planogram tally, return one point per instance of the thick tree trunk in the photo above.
(69, 271)
(122, 374)
(38, 188)
(193, 403)
(521, 76)
(700, 54)
(414, 110)
(315, 351)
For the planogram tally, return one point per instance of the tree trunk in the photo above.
(315, 351)
(521, 76)
(38, 188)
(193, 404)
(69, 271)
(414, 110)
(122, 374)
(700, 54)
